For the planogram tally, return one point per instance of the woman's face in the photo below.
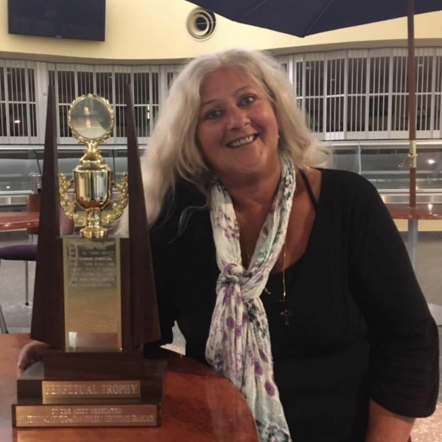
(237, 128)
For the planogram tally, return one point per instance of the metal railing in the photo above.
(381, 162)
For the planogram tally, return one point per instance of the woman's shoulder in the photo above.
(347, 184)
(179, 206)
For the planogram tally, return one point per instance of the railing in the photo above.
(379, 162)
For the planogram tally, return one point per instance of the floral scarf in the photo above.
(238, 346)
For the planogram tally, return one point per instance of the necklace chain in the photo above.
(286, 314)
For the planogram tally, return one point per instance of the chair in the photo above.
(28, 252)
(24, 252)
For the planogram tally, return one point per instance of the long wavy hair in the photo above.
(173, 154)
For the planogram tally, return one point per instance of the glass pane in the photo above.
(357, 75)
(33, 117)
(437, 112)
(104, 85)
(438, 74)
(2, 84)
(68, 160)
(121, 79)
(15, 170)
(314, 74)
(155, 86)
(378, 113)
(18, 120)
(66, 87)
(379, 74)
(335, 114)
(315, 115)
(51, 78)
(346, 158)
(120, 121)
(141, 119)
(3, 123)
(399, 112)
(335, 77)
(31, 82)
(85, 83)
(382, 167)
(299, 78)
(65, 130)
(356, 114)
(141, 88)
(16, 84)
(400, 74)
(424, 72)
(423, 115)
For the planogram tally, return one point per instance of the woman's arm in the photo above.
(385, 426)
(403, 337)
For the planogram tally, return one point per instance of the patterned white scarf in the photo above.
(238, 346)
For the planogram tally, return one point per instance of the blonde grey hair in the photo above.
(173, 154)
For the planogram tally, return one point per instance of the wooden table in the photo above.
(199, 406)
(413, 215)
(18, 220)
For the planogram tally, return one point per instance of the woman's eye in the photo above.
(212, 115)
(249, 99)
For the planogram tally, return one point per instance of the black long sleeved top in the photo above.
(360, 328)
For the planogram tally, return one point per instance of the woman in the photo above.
(289, 280)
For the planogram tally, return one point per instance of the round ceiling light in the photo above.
(201, 24)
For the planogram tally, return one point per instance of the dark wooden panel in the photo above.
(48, 311)
(146, 326)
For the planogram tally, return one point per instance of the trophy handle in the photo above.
(118, 206)
(66, 203)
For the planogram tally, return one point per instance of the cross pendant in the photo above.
(287, 315)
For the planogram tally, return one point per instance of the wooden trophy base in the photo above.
(75, 390)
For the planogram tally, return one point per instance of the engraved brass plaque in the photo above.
(92, 291)
(54, 391)
(139, 415)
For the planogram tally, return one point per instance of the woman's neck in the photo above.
(253, 195)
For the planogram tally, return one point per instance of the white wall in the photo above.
(155, 30)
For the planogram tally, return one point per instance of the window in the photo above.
(18, 107)
(109, 82)
(357, 91)
(363, 94)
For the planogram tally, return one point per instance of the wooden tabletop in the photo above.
(199, 406)
(421, 211)
(18, 220)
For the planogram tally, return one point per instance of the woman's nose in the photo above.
(237, 118)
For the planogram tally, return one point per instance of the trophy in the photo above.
(94, 298)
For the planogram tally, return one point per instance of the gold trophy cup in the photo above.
(91, 120)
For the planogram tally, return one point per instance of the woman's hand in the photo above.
(30, 353)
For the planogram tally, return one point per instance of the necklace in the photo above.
(287, 314)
